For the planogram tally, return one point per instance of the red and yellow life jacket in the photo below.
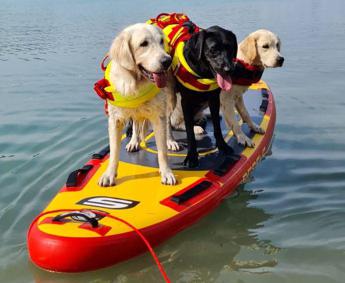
(246, 74)
(178, 28)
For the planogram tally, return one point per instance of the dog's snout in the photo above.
(166, 62)
(227, 68)
(280, 61)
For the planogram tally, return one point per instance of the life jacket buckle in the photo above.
(99, 88)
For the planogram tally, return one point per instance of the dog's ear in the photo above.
(249, 49)
(120, 51)
(200, 43)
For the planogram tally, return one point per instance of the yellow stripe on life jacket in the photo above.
(145, 93)
(193, 82)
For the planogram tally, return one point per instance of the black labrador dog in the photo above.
(210, 53)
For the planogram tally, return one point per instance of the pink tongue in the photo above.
(160, 79)
(224, 83)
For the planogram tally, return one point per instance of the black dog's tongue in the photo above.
(225, 83)
(160, 79)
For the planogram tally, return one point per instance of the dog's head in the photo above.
(217, 47)
(262, 48)
(140, 48)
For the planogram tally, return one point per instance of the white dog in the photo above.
(138, 60)
(262, 50)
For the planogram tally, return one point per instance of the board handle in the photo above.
(75, 177)
(224, 167)
(102, 153)
(93, 221)
(192, 192)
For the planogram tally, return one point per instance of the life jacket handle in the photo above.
(174, 18)
(103, 65)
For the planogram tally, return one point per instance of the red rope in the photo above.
(148, 245)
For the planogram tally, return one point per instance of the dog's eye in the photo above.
(144, 43)
(266, 46)
(162, 41)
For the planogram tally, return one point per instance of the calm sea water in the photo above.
(286, 225)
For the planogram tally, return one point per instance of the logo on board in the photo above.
(108, 202)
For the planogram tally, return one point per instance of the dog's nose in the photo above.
(166, 62)
(229, 68)
(280, 61)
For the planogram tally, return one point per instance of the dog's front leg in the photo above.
(159, 127)
(170, 93)
(115, 130)
(242, 110)
(133, 144)
(191, 159)
(228, 109)
(172, 144)
(214, 105)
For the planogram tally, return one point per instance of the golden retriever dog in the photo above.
(260, 49)
(138, 59)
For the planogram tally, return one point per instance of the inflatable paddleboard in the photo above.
(79, 229)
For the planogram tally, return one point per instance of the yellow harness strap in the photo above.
(193, 82)
(145, 93)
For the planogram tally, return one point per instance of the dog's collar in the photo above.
(246, 74)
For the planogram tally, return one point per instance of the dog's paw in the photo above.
(198, 130)
(107, 179)
(173, 145)
(132, 146)
(257, 129)
(168, 178)
(244, 140)
(191, 160)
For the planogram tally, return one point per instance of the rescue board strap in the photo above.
(101, 154)
(223, 168)
(74, 176)
(187, 195)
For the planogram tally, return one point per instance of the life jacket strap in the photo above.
(99, 88)
(185, 77)
(246, 74)
(103, 64)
